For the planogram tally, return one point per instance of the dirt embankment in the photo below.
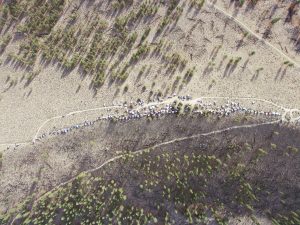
(221, 57)
(41, 166)
(38, 168)
(32, 170)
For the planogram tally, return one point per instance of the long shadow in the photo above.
(226, 71)
(2, 50)
(255, 76)
(18, 36)
(240, 43)
(283, 74)
(212, 52)
(208, 69)
(8, 27)
(78, 89)
(278, 73)
(16, 65)
(267, 32)
(66, 71)
(221, 63)
(273, 10)
(189, 10)
(139, 76)
(245, 65)
(297, 45)
(273, 191)
(232, 69)
(291, 11)
(250, 6)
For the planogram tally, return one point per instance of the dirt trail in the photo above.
(167, 101)
(147, 149)
(244, 26)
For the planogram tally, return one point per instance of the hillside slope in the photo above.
(149, 112)
(176, 171)
(87, 53)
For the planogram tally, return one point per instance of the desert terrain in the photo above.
(98, 90)
(208, 35)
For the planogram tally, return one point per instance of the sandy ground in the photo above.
(33, 170)
(207, 35)
(57, 159)
(283, 34)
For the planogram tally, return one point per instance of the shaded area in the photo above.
(241, 172)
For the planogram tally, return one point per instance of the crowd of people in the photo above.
(154, 109)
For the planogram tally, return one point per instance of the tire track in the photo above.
(245, 27)
(144, 150)
(193, 101)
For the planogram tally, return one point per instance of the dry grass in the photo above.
(244, 172)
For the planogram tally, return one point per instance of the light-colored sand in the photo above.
(211, 39)
(24, 109)
(283, 34)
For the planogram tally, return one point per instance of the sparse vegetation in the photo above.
(1, 156)
(126, 88)
(198, 3)
(189, 74)
(145, 34)
(5, 40)
(275, 20)
(71, 45)
(170, 175)
(154, 49)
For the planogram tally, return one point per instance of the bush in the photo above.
(5, 41)
(145, 34)
(142, 51)
(198, 3)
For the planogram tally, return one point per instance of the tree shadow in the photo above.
(2, 50)
(7, 79)
(65, 71)
(273, 10)
(283, 74)
(278, 73)
(18, 36)
(232, 69)
(250, 6)
(291, 11)
(16, 64)
(208, 69)
(268, 31)
(240, 43)
(78, 89)
(29, 93)
(11, 85)
(139, 76)
(221, 63)
(175, 84)
(30, 78)
(226, 71)
(255, 76)
(212, 52)
(245, 65)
